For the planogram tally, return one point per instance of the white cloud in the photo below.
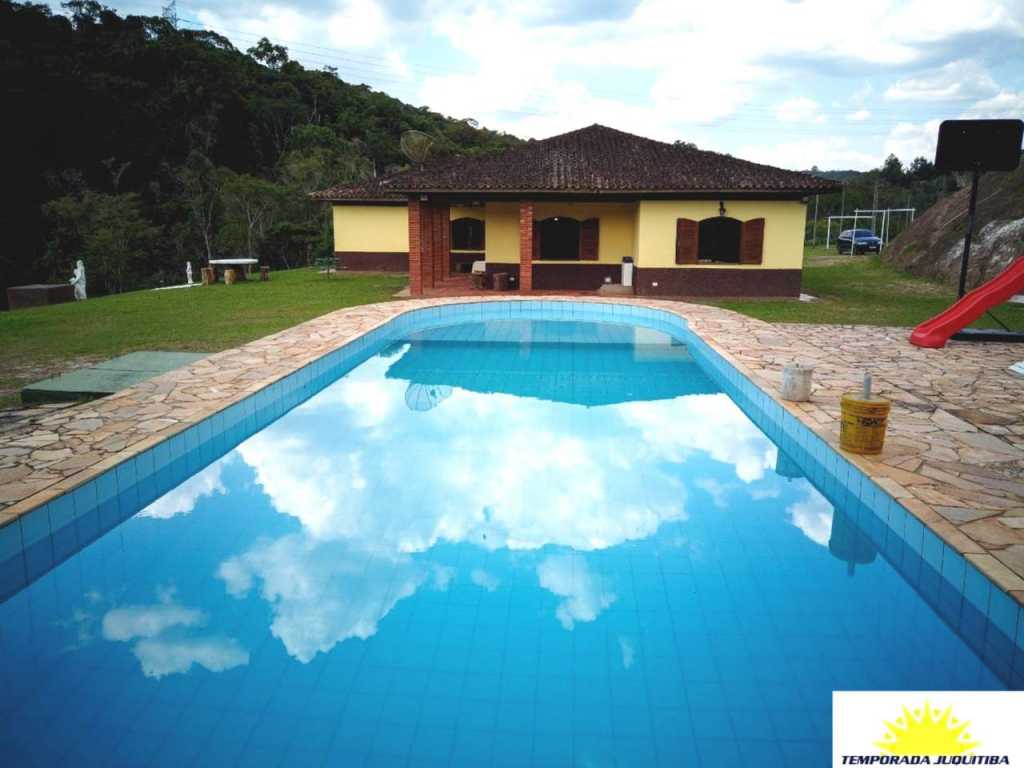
(800, 110)
(358, 24)
(182, 500)
(910, 140)
(322, 593)
(557, 493)
(585, 594)
(483, 579)
(275, 22)
(159, 657)
(138, 621)
(812, 515)
(718, 492)
(163, 637)
(536, 70)
(829, 152)
(954, 81)
(710, 424)
(1005, 104)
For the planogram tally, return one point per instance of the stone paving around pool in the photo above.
(954, 456)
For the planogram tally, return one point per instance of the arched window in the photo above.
(467, 234)
(719, 240)
(559, 238)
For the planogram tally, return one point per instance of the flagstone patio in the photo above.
(954, 456)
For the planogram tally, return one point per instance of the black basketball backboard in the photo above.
(982, 145)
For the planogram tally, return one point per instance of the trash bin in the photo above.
(627, 271)
(500, 281)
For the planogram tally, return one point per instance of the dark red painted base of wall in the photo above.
(750, 283)
(574, 277)
(372, 261)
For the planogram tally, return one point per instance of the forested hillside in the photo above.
(933, 245)
(137, 146)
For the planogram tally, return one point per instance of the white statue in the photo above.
(78, 281)
(188, 272)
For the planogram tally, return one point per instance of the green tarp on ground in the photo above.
(107, 377)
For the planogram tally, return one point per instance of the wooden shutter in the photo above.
(589, 232)
(687, 234)
(752, 241)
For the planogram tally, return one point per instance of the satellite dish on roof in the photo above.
(424, 397)
(416, 145)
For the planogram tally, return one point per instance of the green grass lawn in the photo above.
(40, 342)
(862, 290)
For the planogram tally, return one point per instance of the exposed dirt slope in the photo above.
(933, 244)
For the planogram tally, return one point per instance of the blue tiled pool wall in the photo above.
(42, 539)
(983, 614)
(988, 618)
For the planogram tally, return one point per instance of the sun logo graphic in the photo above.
(927, 731)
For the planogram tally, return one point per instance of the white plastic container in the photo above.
(627, 272)
(796, 382)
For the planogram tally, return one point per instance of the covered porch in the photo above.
(540, 245)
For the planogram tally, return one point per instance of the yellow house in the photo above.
(565, 213)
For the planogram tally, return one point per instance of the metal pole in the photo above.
(874, 205)
(970, 230)
(828, 232)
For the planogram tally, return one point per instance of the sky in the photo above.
(793, 84)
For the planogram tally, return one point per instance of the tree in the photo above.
(892, 171)
(109, 232)
(265, 52)
(200, 185)
(921, 169)
(249, 204)
(157, 112)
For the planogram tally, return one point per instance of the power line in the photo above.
(383, 70)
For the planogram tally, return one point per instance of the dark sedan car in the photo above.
(864, 240)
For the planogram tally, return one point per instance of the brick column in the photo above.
(416, 254)
(525, 246)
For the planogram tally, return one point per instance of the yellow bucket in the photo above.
(862, 429)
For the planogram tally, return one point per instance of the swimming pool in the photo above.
(535, 533)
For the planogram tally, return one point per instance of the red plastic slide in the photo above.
(935, 333)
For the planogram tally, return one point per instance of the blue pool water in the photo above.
(519, 542)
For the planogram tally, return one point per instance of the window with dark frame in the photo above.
(719, 240)
(559, 239)
(467, 234)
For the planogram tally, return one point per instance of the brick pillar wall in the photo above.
(415, 247)
(444, 213)
(438, 239)
(429, 245)
(525, 247)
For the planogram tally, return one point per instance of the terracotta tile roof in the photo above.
(597, 159)
(367, 190)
